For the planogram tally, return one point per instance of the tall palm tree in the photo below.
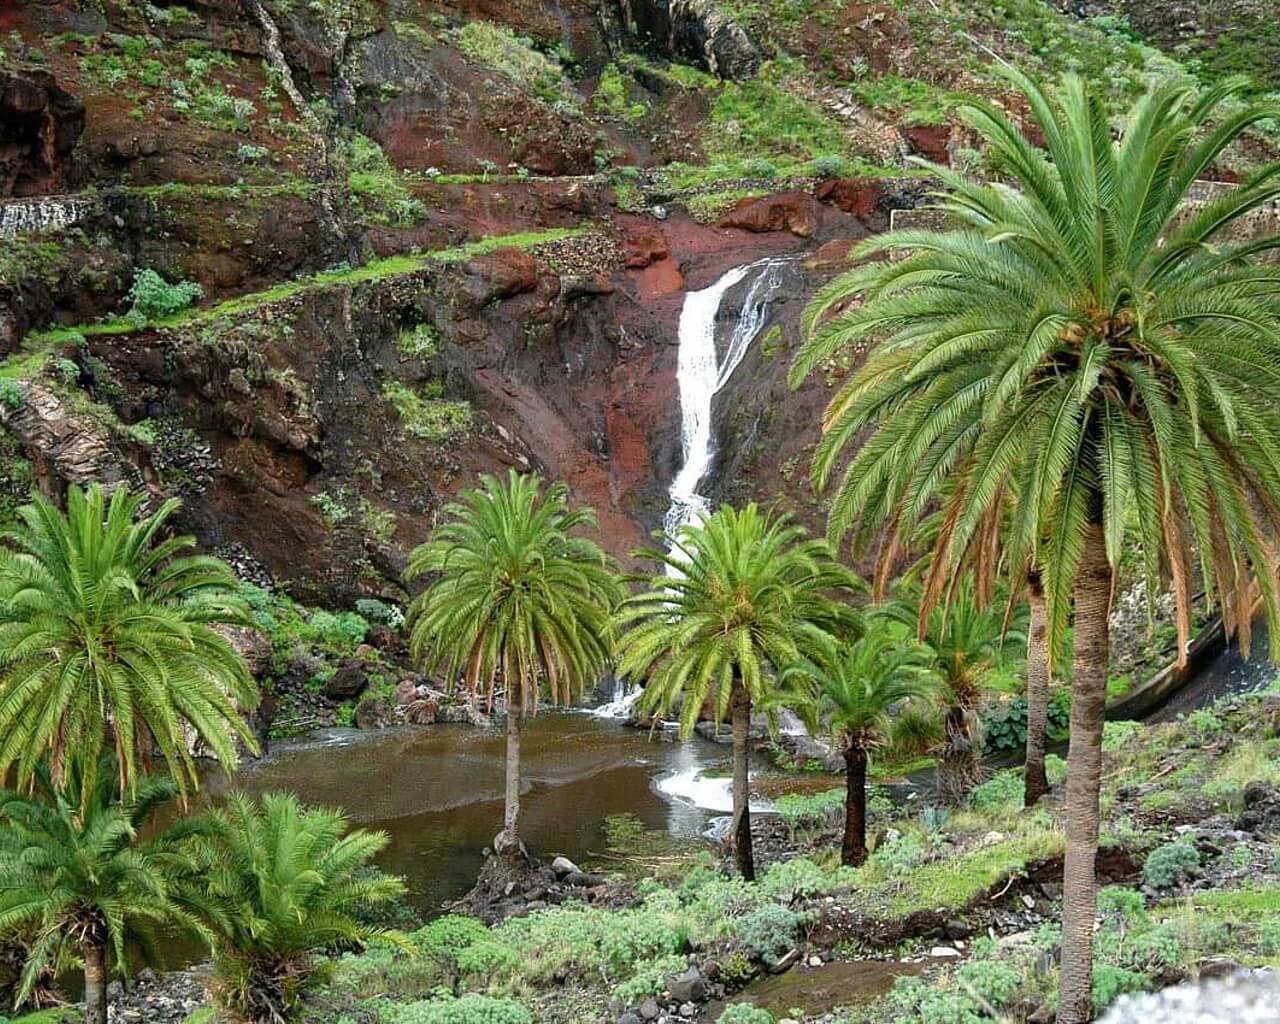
(737, 598)
(965, 645)
(517, 594)
(852, 690)
(107, 639)
(1085, 343)
(76, 870)
(279, 883)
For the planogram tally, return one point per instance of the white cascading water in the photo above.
(701, 374)
(30, 216)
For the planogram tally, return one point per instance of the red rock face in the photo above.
(39, 125)
(930, 141)
(787, 211)
(858, 196)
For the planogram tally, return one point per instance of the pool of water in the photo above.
(437, 791)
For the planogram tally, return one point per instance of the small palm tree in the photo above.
(519, 595)
(739, 597)
(1086, 343)
(851, 692)
(107, 642)
(281, 882)
(75, 869)
(965, 645)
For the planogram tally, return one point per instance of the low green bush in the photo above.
(1170, 865)
(151, 297)
(744, 1013)
(770, 929)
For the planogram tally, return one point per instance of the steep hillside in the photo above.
(314, 266)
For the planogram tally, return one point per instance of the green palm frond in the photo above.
(516, 593)
(1079, 345)
(107, 636)
(74, 865)
(738, 598)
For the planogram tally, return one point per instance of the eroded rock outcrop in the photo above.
(64, 447)
(698, 30)
(39, 125)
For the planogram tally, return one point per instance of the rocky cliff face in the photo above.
(433, 239)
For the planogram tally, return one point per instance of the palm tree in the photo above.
(519, 594)
(740, 596)
(279, 883)
(107, 637)
(852, 691)
(75, 870)
(964, 641)
(1085, 343)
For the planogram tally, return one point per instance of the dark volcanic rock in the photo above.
(39, 125)
(697, 30)
(348, 682)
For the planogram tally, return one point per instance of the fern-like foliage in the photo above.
(107, 638)
(517, 593)
(1082, 344)
(281, 882)
(738, 598)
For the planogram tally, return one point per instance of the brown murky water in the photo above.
(438, 791)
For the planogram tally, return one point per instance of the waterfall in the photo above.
(28, 216)
(702, 373)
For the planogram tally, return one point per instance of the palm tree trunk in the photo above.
(741, 703)
(1084, 771)
(95, 981)
(511, 809)
(1035, 783)
(960, 763)
(853, 851)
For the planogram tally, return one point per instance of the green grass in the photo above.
(1241, 905)
(953, 882)
(391, 266)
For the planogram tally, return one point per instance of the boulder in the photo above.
(498, 275)
(563, 866)
(858, 196)
(930, 141)
(644, 248)
(347, 683)
(687, 987)
(374, 713)
(697, 30)
(1261, 812)
(786, 211)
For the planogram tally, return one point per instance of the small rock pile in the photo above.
(156, 999)
(582, 255)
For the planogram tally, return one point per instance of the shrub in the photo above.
(990, 981)
(1170, 865)
(810, 810)
(770, 930)
(650, 979)
(830, 167)
(1111, 982)
(758, 167)
(802, 877)
(468, 1009)
(427, 415)
(343, 630)
(898, 856)
(11, 393)
(1270, 939)
(152, 297)
(744, 1013)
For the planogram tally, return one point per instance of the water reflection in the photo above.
(438, 791)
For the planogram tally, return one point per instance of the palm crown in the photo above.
(82, 873)
(855, 686)
(106, 625)
(518, 593)
(742, 595)
(281, 881)
(1080, 343)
